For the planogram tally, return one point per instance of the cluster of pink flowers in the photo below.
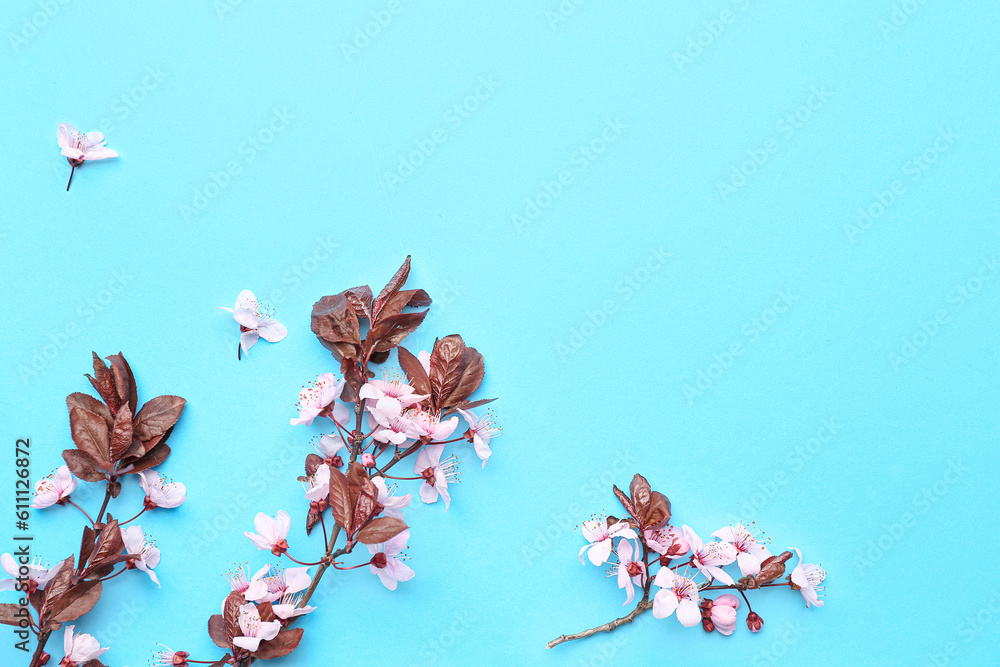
(646, 550)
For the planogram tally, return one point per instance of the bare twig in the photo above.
(644, 605)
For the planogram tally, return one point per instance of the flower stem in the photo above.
(72, 171)
(42, 638)
(82, 510)
(644, 605)
(122, 523)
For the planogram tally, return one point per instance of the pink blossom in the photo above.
(367, 460)
(170, 657)
(252, 588)
(38, 576)
(429, 425)
(387, 563)
(436, 473)
(255, 322)
(329, 447)
(160, 493)
(271, 533)
(482, 429)
(677, 593)
(749, 552)
(54, 489)
(724, 613)
(391, 390)
(600, 538)
(79, 648)
(667, 541)
(807, 578)
(391, 426)
(318, 399)
(391, 505)
(254, 630)
(284, 588)
(317, 485)
(630, 572)
(145, 555)
(709, 558)
(79, 147)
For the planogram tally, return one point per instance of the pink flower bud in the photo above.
(367, 460)
(728, 600)
(754, 622)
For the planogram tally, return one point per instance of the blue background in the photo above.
(620, 124)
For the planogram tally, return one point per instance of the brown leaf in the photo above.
(334, 322)
(11, 614)
(156, 416)
(152, 458)
(340, 499)
(90, 434)
(360, 299)
(381, 530)
(388, 332)
(312, 518)
(408, 298)
(82, 465)
(447, 361)
(87, 545)
(223, 661)
(77, 601)
(466, 405)
(659, 509)
(93, 662)
(121, 436)
(88, 402)
(124, 381)
(472, 376)
(394, 285)
(624, 500)
(363, 494)
(217, 631)
(109, 545)
(640, 492)
(57, 586)
(286, 642)
(231, 615)
(313, 462)
(104, 382)
(415, 372)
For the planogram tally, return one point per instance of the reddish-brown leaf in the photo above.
(121, 435)
(659, 509)
(109, 545)
(447, 360)
(360, 299)
(340, 499)
(334, 320)
(217, 631)
(156, 416)
(87, 545)
(280, 646)
(77, 601)
(153, 457)
(124, 381)
(12, 614)
(231, 615)
(93, 662)
(472, 376)
(90, 434)
(388, 332)
(408, 298)
(57, 586)
(88, 402)
(82, 465)
(640, 492)
(394, 285)
(415, 372)
(313, 462)
(467, 405)
(104, 382)
(624, 500)
(381, 530)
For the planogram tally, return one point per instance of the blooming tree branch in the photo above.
(644, 540)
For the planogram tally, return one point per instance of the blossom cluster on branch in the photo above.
(648, 551)
(113, 438)
(352, 476)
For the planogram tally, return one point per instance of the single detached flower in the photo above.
(390, 424)
(387, 563)
(724, 613)
(482, 429)
(254, 630)
(144, 554)
(599, 536)
(160, 493)
(78, 147)
(38, 575)
(79, 648)
(171, 658)
(318, 399)
(678, 594)
(390, 505)
(631, 573)
(436, 474)
(749, 552)
(255, 322)
(271, 533)
(54, 489)
(807, 578)
(709, 558)
(391, 390)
